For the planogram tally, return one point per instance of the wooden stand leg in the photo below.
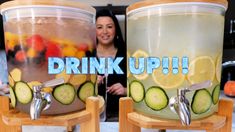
(125, 107)
(226, 109)
(92, 106)
(70, 128)
(4, 107)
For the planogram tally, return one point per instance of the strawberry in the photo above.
(20, 56)
(83, 47)
(36, 42)
(53, 50)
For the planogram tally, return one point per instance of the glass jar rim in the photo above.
(48, 3)
(150, 3)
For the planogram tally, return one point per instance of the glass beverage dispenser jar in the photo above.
(186, 39)
(36, 30)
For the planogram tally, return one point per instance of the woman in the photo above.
(110, 43)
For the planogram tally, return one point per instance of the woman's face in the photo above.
(105, 30)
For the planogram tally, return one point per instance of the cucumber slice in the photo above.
(12, 97)
(136, 91)
(156, 98)
(215, 94)
(201, 101)
(87, 89)
(23, 92)
(65, 94)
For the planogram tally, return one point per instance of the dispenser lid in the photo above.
(63, 3)
(146, 3)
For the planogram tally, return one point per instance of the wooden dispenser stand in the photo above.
(131, 121)
(12, 120)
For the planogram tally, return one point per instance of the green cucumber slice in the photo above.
(136, 91)
(156, 98)
(86, 90)
(65, 93)
(23, 92)
(12, 97)
(215, 94)
(201, 101)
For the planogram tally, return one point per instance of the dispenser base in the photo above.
(131, 121)
(88, 118)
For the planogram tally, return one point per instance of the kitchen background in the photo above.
(119, 8)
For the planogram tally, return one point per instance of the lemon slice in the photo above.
(11, 81)
(218, 67)
(93, 78)
(138, 54)
(201, 69)
(78, 79)
(169, 80)
(127, 62)
(63, 75)
(16, 74)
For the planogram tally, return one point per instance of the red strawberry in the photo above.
(36, 42)
(83, 47)
(53, 50)
(21, 56)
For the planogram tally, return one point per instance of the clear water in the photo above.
(62, 33)
(192, 35)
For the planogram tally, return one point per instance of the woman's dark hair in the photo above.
(1, 34)
(118, 39)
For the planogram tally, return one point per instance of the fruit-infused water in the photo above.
(37, 33)
(174, 31)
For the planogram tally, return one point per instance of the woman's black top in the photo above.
(113, 100)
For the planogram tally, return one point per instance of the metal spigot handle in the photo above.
(184, 112)
(199, 86)
(53, 82)
(180, 106)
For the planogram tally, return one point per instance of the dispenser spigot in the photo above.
(180, 105)
(41, 100)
